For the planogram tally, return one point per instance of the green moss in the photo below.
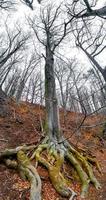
(58, 181)
(23, 159)
(75, 175)
(45, 126)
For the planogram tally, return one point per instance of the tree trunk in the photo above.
(20, 91)
(3, 104)
(2, 96)
(51, 103)
(102, 71)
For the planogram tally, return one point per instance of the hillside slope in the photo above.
(21, 124)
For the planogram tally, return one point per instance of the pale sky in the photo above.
(67, 49)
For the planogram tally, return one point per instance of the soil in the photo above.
(21, 124)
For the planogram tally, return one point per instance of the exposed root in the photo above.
(83, 176)
(94, 161)
(89, 170)
(86, 165)
(53, 164)
(11, 163)
(56, 176)
(11, 152)
(38, 152)
(51, 155)
(32, 175)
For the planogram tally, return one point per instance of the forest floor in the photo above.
(20, 124)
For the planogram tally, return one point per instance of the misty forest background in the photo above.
(80, 67)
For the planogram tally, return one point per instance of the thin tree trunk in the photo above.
(102, 71)
(3, 96)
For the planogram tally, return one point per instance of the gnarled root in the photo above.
(83, 176)
(55, 161)
(51, 154)
(94, 161)
(57, 178)
(54, 164)
(32, 175)
(10, 152)
(85, 163)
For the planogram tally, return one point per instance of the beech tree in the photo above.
(70, 84)
(64, 74)
(97, 90)
(30, 66)
(33, 88)
(11, 82)
(11, 48)
(52, 37)
(92, 44)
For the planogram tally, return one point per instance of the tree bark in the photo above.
(2, 96)
(4, 109)
(51, 103)
(102, 71)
